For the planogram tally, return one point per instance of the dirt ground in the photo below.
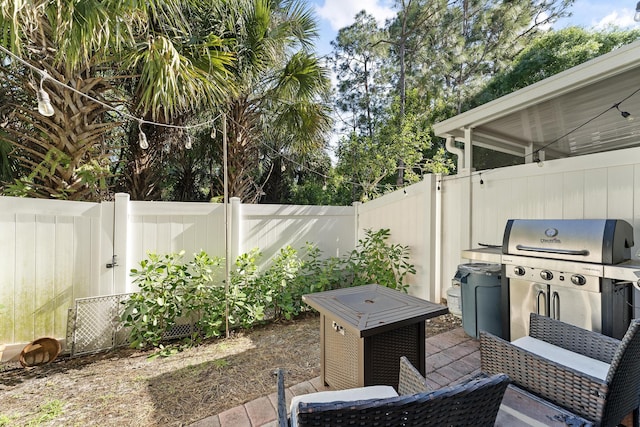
(125, 387)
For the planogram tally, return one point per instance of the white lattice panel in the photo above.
(97, 325)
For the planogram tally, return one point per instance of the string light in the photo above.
(142, 138)
(188, 143)
(44, 102)
(47, 110)
(627, 115)
(539, 157)
(104, 104)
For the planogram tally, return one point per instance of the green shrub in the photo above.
(171, 290)
(244, 308)
(374, 260)
(279, 285)
(319, 274)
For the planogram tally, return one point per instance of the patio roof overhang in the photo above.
(569, 114)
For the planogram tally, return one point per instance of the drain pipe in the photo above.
(455, 150)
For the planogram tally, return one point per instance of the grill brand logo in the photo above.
(554, 240)
(551, 234)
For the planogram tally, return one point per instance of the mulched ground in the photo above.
(125, 387)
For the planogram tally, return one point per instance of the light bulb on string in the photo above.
(188, 143)
(142, 138)
(44, 102)
(213, 132)
(625, 114)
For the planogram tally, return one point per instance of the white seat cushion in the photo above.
(561, 356)
(362, 393)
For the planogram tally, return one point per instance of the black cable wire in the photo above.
(616, 105)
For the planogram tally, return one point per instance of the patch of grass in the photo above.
(221, 363)
(49, 411)
(5, 420)
(105, 398)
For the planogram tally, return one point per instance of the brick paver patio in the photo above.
(451, 357)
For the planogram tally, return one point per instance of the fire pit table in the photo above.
(365, 329)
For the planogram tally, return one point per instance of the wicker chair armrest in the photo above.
(411, 380)
(283, 420)
(580, 393)
(578, 340)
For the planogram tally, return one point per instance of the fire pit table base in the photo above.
(365, 330)
(350, 361)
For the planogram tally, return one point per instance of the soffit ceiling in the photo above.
(566, 115)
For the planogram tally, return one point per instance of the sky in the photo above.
(335, 14)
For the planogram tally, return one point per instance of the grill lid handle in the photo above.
(582, 252)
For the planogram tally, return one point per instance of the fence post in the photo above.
(235, 230)
(120, 248)
(356, 219)
(438, 285)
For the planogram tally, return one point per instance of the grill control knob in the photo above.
(578, 279)
(546, 275)
(519, 271)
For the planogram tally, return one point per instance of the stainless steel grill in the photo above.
(557, 268)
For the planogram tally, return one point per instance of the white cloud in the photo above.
(542, 17)
(622, 18)
(340, 13)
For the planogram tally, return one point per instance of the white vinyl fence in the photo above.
(442, 216)
(54, 252)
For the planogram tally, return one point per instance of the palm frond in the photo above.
(171, 84)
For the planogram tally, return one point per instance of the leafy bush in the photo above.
(245, 306)
(376, 261)
(171, 290)
(319, 274)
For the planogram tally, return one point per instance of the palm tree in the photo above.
(278, 105)
(103, 50)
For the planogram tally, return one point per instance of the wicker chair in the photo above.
(599, 380)
(474, 403)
